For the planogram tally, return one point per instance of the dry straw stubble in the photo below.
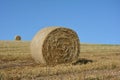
(55, 45)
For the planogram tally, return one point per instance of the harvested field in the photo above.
(96, 62)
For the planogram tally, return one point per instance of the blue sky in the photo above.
(95, 21)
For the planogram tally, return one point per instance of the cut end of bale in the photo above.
(55, 45)
(17, 38)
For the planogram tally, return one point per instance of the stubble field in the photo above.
(96, 62)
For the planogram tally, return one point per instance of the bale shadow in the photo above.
(82, 61)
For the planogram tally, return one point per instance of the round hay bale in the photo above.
(55, 45)
(17, 38)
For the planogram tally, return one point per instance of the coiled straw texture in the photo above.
(55, 45)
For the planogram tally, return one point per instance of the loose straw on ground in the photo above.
(55, 45)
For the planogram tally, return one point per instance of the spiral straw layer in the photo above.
(55, 45)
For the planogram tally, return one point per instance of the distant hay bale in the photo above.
(55, 45)
(17, 38)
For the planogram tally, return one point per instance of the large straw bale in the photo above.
(55, 45)
(17, 38)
